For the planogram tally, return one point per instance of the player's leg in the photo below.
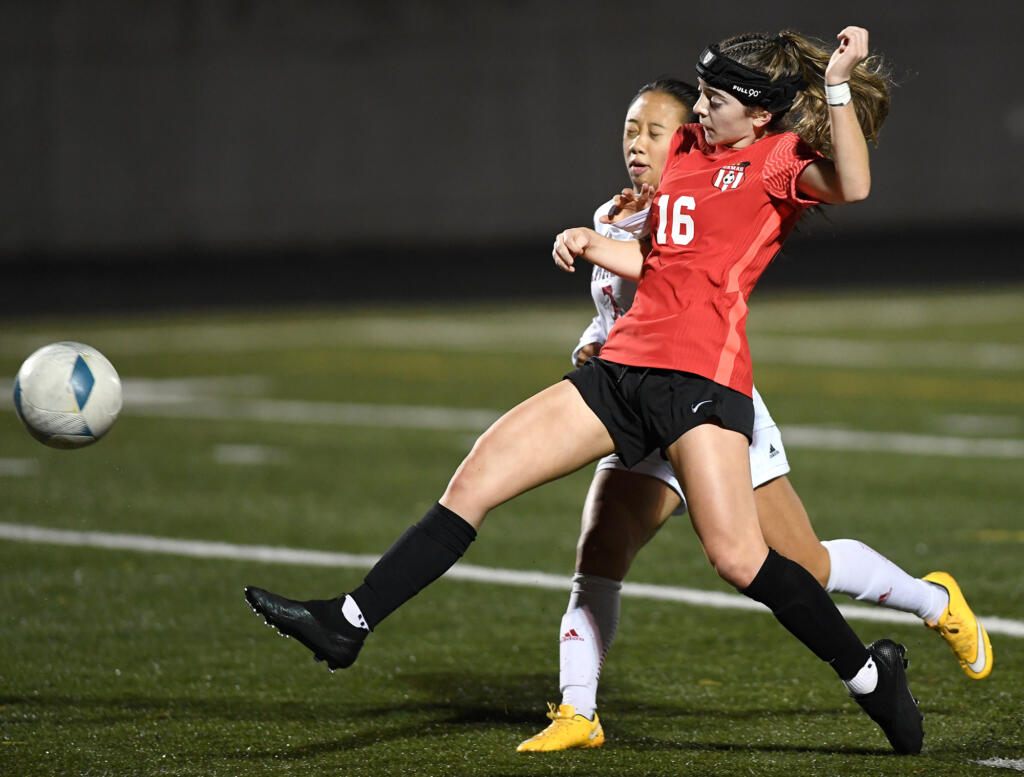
(547, 436)
(787, 527)
(624, 509)
(713, 467)
(857, 570)
(851, 567)
(784, 522)
(842, 566)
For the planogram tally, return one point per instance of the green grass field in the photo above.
(904, 421)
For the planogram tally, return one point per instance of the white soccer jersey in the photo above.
(612, 297)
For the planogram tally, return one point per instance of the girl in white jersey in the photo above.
(626, 506)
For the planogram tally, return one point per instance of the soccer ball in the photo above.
(67, 394)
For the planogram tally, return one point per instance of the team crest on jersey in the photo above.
(729, 177)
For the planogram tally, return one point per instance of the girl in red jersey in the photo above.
(675, 372)
(625, 507)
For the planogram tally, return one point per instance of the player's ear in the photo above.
(761, 117)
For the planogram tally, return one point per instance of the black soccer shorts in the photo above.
(645, 408)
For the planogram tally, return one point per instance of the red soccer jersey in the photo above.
(718, 218)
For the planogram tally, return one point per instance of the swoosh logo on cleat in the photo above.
(978, 664)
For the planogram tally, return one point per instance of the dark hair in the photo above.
(790, 54)
(685, 94)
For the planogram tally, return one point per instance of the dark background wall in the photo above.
(192, 151)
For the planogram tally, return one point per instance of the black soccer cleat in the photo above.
(891, 705)
(318, 624)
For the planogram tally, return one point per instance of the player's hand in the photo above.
(644, 198)
(628, 202)
(588, 350)
(851, 51)
(570, 244)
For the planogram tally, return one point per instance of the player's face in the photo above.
(726, 120)
(650, 122)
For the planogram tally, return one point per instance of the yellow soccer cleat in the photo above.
(567, 730)
(963, 632)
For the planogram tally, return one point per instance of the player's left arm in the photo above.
(847, 178)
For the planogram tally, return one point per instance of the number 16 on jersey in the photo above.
(681, 222)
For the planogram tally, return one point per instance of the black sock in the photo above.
(803, 607)
(328, 611)
(416, 559)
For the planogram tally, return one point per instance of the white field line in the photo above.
(512, 577)
(885, 313)
(1017, 764)
(248, 454)
(966, 424)
(18, 467)
(834, 352)
(321, 413)
(509, 333)
(819, 438)
(152, 401)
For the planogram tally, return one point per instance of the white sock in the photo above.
(587, 631)
(353, 614)
(863, 573)
(579, 654)
(865, 681)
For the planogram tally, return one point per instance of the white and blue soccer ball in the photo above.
(67, 394)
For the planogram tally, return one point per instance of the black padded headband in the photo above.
(750, 87)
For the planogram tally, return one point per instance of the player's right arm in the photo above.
(625, 258)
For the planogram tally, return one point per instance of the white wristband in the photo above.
(838, 94)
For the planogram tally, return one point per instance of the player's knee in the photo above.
(468, 492)
(736, 566)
